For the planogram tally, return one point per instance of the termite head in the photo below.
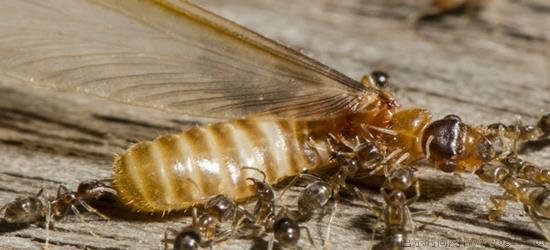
(453, 146)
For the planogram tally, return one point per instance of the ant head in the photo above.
(262, 189)
(287, 232)
(187, 239)
(378, 79)
(402, 179)
(452, 145)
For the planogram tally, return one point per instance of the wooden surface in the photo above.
(492, 68)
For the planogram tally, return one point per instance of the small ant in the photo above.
(396, 213)
(283, 224)
(535, 198)
(26, 210)
(203, 230)
(33, 209)
(350, 157)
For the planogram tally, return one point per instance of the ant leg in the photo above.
(48, 221)
(62, 190)
(332, 213)
(499, 203)
(308, 235)
(271, 242)
(411, 223)
(460, 178)
(416, 195)
(520, 133)
(166, 240)
(308, 177)
(92, 210)
(357, 192)
(75, 211)
(379, 215)
(537, 220)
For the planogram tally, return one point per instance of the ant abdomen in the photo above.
(24, 210)
(313, 197)
(287, 232)
(187, 239)
(395, 238)
(540, 201)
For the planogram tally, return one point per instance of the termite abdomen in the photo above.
(177, 171)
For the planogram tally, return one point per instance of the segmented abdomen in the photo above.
(177, 171)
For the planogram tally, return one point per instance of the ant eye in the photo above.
(380, 78)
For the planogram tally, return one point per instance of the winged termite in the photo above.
(278, 107)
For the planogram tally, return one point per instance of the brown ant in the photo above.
(26, 210)
(203, 231)
(349, 157)
(535, 198)
(284, 226)
(35, 209)
(396, 213)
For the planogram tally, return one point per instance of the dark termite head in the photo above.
(452, 145)
(287, 231)
(187, 239)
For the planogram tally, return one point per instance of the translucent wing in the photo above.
(170, 55)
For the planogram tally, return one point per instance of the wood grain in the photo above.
(494, 67)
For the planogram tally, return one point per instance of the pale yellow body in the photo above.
(177, 171)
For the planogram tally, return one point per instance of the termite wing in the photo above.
(276, 107)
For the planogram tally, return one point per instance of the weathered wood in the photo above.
(489, 69)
